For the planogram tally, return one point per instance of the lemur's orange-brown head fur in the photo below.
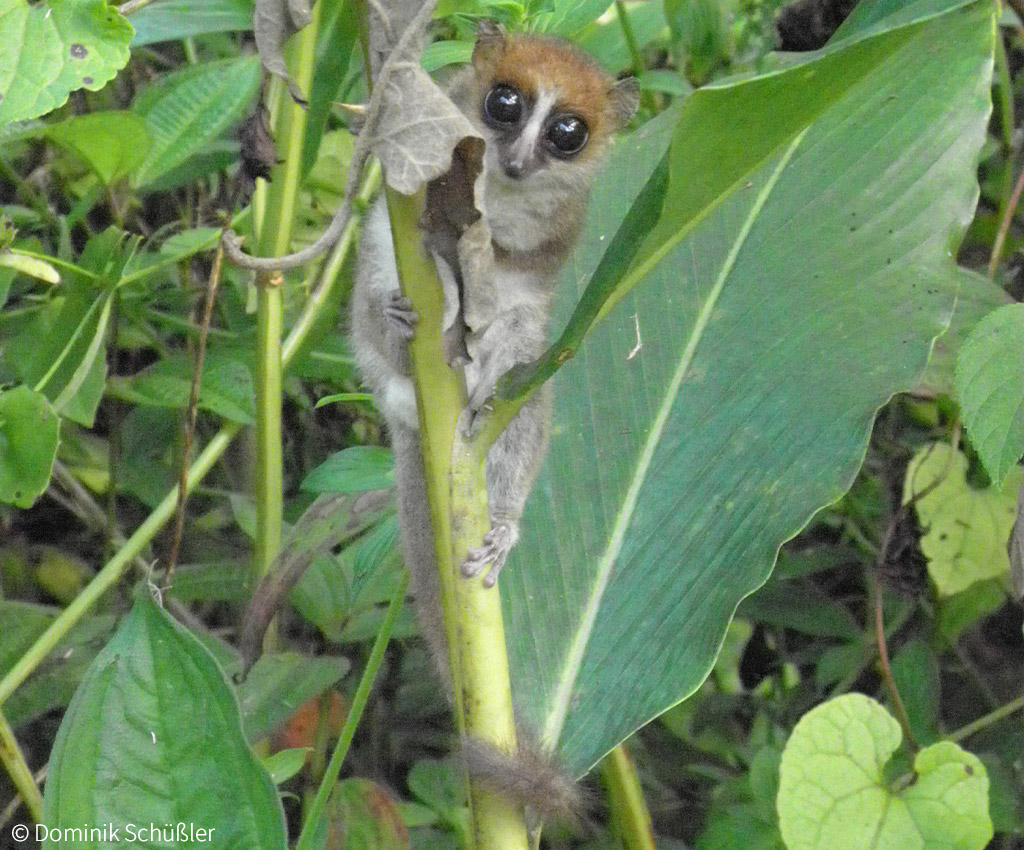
(532, 62)
(546, 111)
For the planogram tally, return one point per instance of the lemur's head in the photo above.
(544, 105)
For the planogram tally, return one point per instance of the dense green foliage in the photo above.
(784, 263)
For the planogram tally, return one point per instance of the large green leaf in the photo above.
(50, 49)
(714, 154)
(768, 337)
(191, 109)
(154, 736)
(225, 387)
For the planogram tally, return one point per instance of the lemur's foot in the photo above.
(472, 418)
(399, 314)
(497, 543)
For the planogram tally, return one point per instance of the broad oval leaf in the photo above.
(54, 48)
(765, 341)
(154, 736)
(833, 792)
(28, 445)
(990, 389)
(111, 143)
(225, 387)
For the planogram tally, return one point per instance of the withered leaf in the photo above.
(421, 137)
(273, 22)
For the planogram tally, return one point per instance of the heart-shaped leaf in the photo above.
(964, 528)
(834, 794)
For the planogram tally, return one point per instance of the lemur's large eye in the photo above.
(503, 105)
(567, 134)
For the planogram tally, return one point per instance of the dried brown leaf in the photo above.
(273, 22)
(422, 138)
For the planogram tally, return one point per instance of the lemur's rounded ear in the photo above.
(625, 98)
(490, 38)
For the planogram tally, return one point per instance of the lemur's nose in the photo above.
(514, 168)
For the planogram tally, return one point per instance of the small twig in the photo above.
(897, 518)
(13, 759)
(193, 407)
(15, 804)
(360, 154)
(1004, 225)
(883, 657)
(975, 726)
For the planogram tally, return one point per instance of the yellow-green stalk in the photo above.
(457, 492)
(274, 205)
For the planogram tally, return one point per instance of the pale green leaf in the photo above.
(978, 297)
(32, 266)
(225, 387)
(54, 48)
(834, 793)
(279, 683)
(283, 765)
(964, 529)
(170, 20)
(990, 389)
(352, 470)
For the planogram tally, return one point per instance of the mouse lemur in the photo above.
(547, 112)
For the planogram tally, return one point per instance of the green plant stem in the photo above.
(457, 494)
(355, 713)
(630, 38)
(636, 60)
(274, 208)
(17, 768)
(269, 478)
(113, 569)
(629, 812)
(975, 726)
(1003, 85)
